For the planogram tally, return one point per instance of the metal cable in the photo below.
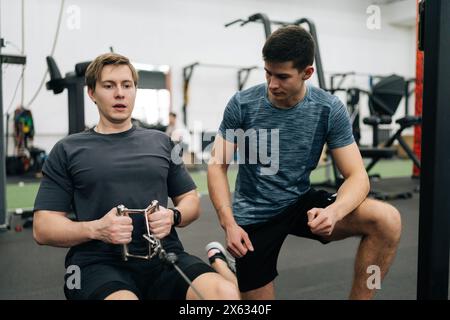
(51, 54)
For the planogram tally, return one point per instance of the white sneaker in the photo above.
(223, 254)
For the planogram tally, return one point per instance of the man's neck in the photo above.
(292, 101)
(109, 128)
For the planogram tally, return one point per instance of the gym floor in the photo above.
(307, 269)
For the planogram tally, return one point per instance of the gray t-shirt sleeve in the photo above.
(178, 179)
(231, 119)
(56, 188)
(340, 132)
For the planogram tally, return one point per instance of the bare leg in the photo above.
(122, 295)
(213, 286)
(264, 293)
(221, 268)
(379, 224)
(217, 256)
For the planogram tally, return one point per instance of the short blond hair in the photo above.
(95, 68)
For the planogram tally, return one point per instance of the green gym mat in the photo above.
(22, 194)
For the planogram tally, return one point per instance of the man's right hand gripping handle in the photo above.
(115, 229)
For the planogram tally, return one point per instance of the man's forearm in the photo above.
(59, 231)
(189, 207)
(219, 192)
(351, 193)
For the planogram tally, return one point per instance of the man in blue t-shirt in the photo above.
(279, 130)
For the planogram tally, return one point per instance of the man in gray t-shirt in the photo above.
(91, 173)
(279, 129)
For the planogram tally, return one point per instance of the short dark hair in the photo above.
(290, 43)
(95, 68)
(173, 114)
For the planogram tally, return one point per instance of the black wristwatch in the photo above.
(176, 216)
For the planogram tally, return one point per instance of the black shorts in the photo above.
(259, 267)
(146, 279)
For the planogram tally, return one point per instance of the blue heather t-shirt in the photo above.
(278, 148)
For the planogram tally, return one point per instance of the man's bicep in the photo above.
(44, 220)
(49, 213)
(348, 159)
(176, 200)
(52, 197)
(56, 189)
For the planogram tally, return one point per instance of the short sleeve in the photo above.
(340, 132)
(178, 179)
(231, 119)
(56, 188)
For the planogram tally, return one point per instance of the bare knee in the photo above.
(213, 286)
(122, 295)
(388, 223)
(221, 289)
(226, 290)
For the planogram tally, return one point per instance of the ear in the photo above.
(91, 95)
(309, 70)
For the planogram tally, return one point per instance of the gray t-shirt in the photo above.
(90, 173)
(286, 143)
